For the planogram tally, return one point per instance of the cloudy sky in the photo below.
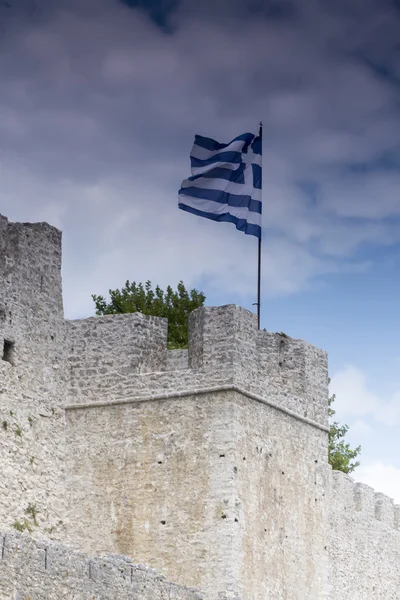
(99, 104)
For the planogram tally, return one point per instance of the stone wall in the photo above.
(364, 542)
(177, 360)
(46, 571)
(209, 464)
(31, 312)
(32, 379)
(279, 504)
(153, 435)
(174, 460)
(150, 476)
(205, 488)
(106, 351)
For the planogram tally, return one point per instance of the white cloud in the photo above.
(96, 130)
(354, 398)
(361, 429)
(383, 477)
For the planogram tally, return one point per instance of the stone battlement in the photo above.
(361, 502)
(124, 357)
(364, 542)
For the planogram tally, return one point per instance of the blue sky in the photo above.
(99, 104)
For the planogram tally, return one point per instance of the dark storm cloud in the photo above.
(159, 11)
(100, 99)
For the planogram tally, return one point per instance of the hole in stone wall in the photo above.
(162, 522)
(8, 351)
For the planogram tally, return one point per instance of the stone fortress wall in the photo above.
(209, 465)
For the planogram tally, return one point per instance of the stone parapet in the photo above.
(115, 359)
(364, 544)
(42, 569)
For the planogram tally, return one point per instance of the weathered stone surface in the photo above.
(206, 490)
(208, 464)
(32, 378)
(364, 544)
(225, 348)
(177, 360)
(33, 570)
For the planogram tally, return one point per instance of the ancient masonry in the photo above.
(208, 465)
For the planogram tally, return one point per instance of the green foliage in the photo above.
(5, 425)
(174, 305)
(24, 526)
(341, 456)
(32, 512)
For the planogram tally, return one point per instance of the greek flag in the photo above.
(226, 182)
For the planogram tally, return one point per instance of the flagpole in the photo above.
(259, 259)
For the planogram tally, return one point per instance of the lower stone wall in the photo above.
(41, 570)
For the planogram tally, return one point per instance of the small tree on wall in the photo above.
(341, 456)
(175, 305)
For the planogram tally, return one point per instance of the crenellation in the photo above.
(294, 373)
(218, 337)
(397, 516)
(351, 497)
(287, 372)
(384, 509)
(343, 490)
(106, 351)
(364, 498)
(364, 542)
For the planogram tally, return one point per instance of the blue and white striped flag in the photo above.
(226, 182)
